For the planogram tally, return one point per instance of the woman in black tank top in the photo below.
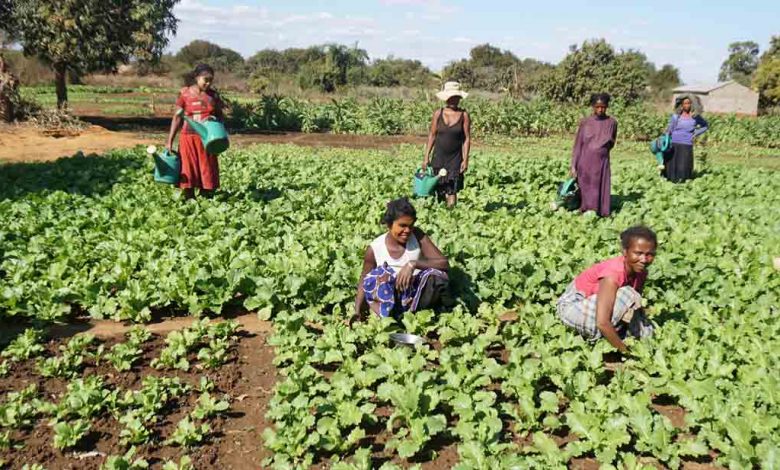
(450, 140)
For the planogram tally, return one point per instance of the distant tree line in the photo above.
(137, 31)
(592, 67)
(327, 67)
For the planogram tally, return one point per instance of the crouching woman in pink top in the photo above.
(604, 300)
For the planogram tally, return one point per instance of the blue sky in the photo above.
(693, 35)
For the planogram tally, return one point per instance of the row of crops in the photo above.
(285, 237)
(508, 117)
(84, 387)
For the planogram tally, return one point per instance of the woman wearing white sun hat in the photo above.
(450, 140)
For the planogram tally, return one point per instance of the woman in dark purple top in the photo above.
(685, 125)
(590, 156)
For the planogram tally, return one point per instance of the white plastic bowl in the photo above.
(407, 339)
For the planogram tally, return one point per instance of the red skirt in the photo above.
(198, 169)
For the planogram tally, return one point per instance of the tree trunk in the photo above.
(9, 93)
(60, 77)
(6, 106)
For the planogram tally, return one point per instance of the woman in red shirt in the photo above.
(604, 300)
(198, 101)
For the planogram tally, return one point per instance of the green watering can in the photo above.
(212, 133)
(425, 181)
(568, 195)
(167, 166)
(659, 147)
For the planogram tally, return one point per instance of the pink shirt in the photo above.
(588, 281)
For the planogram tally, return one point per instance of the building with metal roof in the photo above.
(722, 97)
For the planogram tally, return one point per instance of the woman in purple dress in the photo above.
(685, 125)
(590, 156)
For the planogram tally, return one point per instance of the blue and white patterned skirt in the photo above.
(379, 286)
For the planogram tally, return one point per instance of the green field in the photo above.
(285, 238)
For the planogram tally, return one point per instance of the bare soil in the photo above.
(23, 143)
(109, 329)
(235, 440)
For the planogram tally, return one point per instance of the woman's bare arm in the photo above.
(432, 257)
(466, 142)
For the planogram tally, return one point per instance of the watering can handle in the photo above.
(181, 114)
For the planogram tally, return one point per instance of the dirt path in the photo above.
(109, 328)
(28, 144)
(331, 140)
(242, 435)
(21, 143)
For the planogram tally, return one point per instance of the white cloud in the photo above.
(417, 29)
(462, 39)
(248, 29)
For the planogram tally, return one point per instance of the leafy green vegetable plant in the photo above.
(70, 360)
(25, 346)
(20, 408)
(185, 463)
(123, 355)
(67, 434)
(125, 462)
(134, 431)
(209, 406)
(188, 434)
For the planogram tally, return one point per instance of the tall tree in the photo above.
(344, 58)
(665, 79)
(741, 63)
(399, 72)
(774, 49)
(490, 68)
(628, 76)
(90, 35)
(486, 55)
(333, 69)
(596, 67)
(461, 71)
(221, 58)
(288, 61)
(766, 80)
